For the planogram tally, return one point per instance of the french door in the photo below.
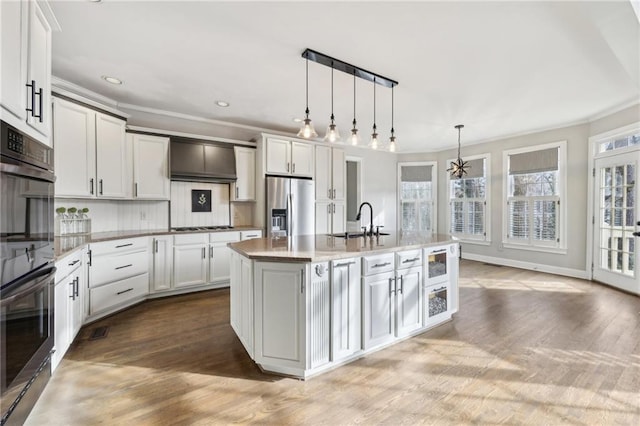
(615, 257)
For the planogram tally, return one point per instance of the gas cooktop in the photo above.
(202, 228)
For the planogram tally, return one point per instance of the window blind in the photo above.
(415, 173)
(545, 160)
(475, 169)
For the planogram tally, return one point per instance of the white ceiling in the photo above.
(500, 68)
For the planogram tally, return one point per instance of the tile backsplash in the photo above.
(181, 214)
(121, 215)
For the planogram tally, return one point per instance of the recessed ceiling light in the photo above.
(222, 104)
(297, 120)
(111, 80)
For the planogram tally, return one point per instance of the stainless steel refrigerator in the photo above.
(290, 206)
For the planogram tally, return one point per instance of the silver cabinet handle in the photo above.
(334, 194)
(329, 208)
(124, 291)
(287, 167)
(156, 245)
(32, 110)
(302, 282)
(380, 265)
(438, 251)
(211, 252)
(91, 186)
(135, 189)
(77, 286)
(73, 289)
(401, 285)
(237, 192)
(334, 207)
(100, 186)
(411, 260)
(329, 191)
(124, 266)
(339, 265)
(74, 262)
(392, 290)
(204, 253)
(124, 245)
(293, 168)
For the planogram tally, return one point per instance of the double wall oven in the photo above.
(27, 272)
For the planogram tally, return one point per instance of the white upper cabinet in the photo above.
(74, 139)
(289, 158)
(90, 153)
(245, 187)
(150, 166)
(330, 178)
(26, 68)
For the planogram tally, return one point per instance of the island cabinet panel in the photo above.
(242, 300)
(408, 301)
(319, 315)
(346, 312)
(280, 313)
(379, 312)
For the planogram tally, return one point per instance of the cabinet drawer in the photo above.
(224, 237)
(117, 293)
(110, 268)
(68, 264)
(248, 235)
(409, 258)
(189, 239)
(377, 264)
(118, 246)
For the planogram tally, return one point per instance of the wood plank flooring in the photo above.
(525, 348)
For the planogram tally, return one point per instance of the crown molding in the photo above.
(163, 132)
(610, 111)
(85, 96)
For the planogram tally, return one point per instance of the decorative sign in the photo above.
(200, 200)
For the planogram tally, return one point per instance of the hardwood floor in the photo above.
(525, 348)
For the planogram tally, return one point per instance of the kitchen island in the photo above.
(303, 305)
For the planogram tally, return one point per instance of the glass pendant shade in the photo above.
(354, 138)
(392, 143)
(307, 131)
(333, 134)
(374, 139)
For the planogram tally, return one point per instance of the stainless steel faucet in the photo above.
(370, 215)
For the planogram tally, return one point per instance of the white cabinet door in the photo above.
(150, 167)
(338, 223)
(39, 70)
(278, 156)
(62, 332)
(280, 314)
(112, 167)
(301, 159)
(219, 262)
(234, 293)
(338, 174)
(76, 314)
(322, 176)
(323, 217)
(74, 149)
(245, 186)
(346, 330)
(408, 300)
(378, 304)
(162, 248)
(190, 265)
(246, 306)
(14, 17)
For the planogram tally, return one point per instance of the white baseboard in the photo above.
(568, 272)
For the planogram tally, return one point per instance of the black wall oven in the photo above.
(27, 272)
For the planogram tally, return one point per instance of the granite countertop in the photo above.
(314, 248)
(67, 244)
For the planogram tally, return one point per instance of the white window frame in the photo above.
(473, 238)
(434, 192)
(543, 246)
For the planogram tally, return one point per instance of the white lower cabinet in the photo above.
(161, 263)
(190, 261)
(280, 316)
(440, 284)
(392, 300)
(69, 304)
(319, 316)
(346, 312)
(242, 300)
(220, 256)
(118, 275)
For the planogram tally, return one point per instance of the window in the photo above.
(620, 142)
(535, 187)
(468, 201)
(417, 197)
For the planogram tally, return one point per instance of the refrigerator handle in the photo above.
(290, 218)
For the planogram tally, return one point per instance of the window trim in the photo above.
(486, 239)
(558, 248)
(434, 192)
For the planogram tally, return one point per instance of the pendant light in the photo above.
(374, 136)
(457, 168)
(354, 138)
(333, 134)
(392, 139)
(307, 131)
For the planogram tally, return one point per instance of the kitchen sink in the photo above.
(356, 234)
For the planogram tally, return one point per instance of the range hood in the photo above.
(202, 161)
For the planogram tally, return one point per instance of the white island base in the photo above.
(300, 317)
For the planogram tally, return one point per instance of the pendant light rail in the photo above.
(345, 67)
